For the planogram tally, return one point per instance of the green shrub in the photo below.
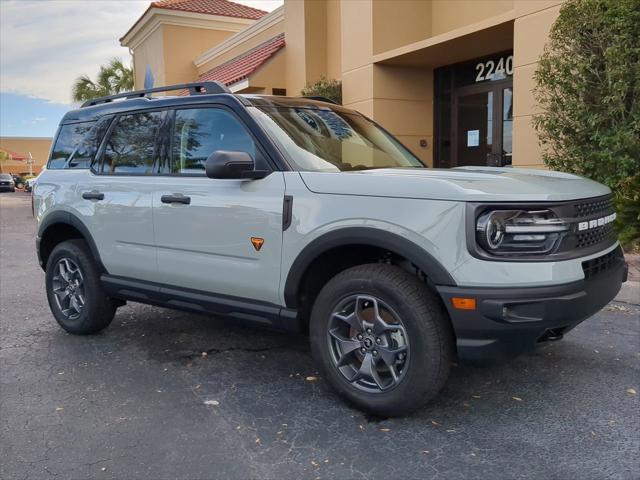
(331, 89)
(628, 208)
(588, 88)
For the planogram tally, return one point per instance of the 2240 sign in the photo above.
(494, 70)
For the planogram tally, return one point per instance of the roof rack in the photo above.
(194, 89)
(321, 99)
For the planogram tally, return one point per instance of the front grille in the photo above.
(595, 236)
(590, 209)
(601, 264)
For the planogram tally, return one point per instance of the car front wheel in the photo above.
(382, 339)
(76, 297)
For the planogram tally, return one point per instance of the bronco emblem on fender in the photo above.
(257, 243)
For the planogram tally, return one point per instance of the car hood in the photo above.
(472, 184)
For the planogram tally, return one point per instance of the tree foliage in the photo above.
(588, 88)
(115, 77)
(331, 89)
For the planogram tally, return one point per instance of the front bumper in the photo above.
(509, 321)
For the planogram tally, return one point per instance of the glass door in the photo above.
(482, 125)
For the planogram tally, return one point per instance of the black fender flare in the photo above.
(363, 236)
(67, 218)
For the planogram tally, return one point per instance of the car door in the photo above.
(119, 195)
(213, 235)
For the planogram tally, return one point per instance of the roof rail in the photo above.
(321, 99)
(194, 89)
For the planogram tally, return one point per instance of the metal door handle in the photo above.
(94, 195)
(176, 198)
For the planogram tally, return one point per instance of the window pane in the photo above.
(199, 133)
(507, 125)
(131, 146)
(68, 139)
(85, 153)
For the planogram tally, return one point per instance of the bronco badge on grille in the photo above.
(596, 222)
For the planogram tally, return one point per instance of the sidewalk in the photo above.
(630, 292)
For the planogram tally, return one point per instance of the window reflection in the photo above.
(201, 132)
(131, 146)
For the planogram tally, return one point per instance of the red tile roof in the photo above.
(224, 8)
(14, 155)
(245, 64)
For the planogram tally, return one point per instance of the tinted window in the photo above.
(68, 139)
(86, 150)
(328, 139)
(200, 132)
(131, 147)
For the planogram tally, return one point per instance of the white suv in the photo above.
(302, 215)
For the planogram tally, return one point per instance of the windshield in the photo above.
(5, 176)
(328, 140)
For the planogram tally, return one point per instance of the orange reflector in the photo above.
(463, 303)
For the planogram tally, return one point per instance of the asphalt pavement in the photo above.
(165, 394)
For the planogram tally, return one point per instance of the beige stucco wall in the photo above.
(150, 52)
(182, 45)
(399, 22)
(451, 14)
(269, 76)
(534, 19)
(399, 98)
(38, 146)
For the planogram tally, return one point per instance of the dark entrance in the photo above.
(474, 112)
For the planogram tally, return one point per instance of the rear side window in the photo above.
(69, 137)
(86, 150)
(131, 146)
(200, 132)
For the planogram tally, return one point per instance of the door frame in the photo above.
(494, 86)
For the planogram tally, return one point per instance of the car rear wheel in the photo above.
(382, 339)
(76, 297)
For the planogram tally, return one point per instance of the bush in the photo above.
(331, 89)
(628, 207)
(588, 88)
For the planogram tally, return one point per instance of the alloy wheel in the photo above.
(368, 343)
(68, 288)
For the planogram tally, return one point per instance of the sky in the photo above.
(46, 44)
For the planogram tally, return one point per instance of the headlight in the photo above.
(513, 232)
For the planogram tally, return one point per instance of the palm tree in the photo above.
(113, 78)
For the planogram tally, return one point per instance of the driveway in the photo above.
(164, 394)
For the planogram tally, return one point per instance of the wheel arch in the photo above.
(361, 237)
(58, 227)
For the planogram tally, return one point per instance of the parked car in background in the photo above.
(19, 181)
(7, 183)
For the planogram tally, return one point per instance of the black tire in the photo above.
(429, 344)
(97, 310)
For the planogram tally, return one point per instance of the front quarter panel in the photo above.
(436, 226)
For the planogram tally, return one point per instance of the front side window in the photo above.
(131, 146)
(332, 140)
(200, 132)
(69, 138)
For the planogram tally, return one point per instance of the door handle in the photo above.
(94, 195)
(175, 198)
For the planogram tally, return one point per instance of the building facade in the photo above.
(452, 79)
(24, 155)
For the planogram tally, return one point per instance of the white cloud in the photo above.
(46, 45)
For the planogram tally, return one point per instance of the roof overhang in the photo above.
(266, 22)
(154, 17)
(475, 40)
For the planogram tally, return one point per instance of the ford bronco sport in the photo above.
(305, 216)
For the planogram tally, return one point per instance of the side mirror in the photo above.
(232, 165)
